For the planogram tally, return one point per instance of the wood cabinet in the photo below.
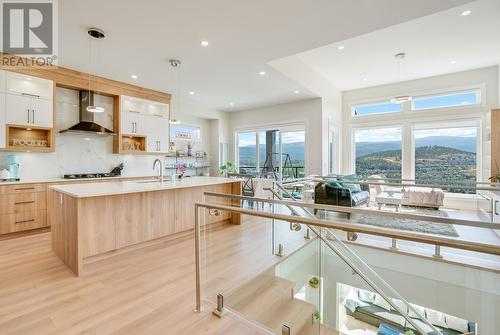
(144, 126)
(22, 207)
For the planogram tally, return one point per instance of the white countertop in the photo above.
(113, 188)
(57, 180)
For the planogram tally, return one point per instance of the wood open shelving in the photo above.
(33, 139)
(130, 141)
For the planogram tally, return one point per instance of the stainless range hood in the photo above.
(87, 124)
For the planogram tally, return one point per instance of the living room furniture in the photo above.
(372, 309)
(345, 191)
(389, 198)
(431, 197)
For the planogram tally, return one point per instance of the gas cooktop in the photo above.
(89, 175)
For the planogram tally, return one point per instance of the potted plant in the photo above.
(181, 169)
(496, 177)
(227, 168)
(317, 316)
(314, 282)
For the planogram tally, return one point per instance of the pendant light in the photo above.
(399, 99)
(175, 63)
(97, 34)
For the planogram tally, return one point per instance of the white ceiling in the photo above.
(244, 36)
(431, 43)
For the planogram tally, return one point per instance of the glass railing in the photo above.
(281, 269)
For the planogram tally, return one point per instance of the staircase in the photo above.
(268, 300)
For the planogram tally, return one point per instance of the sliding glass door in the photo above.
(273, 153)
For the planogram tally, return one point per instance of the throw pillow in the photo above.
(380, 302)
(460, 325)
(435, 317)
(366, 296)
(334, 184)
(353, 187)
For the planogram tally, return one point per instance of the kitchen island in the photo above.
(96, 218)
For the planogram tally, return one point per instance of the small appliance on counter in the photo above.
(11, 171)
(117, 171)
(12, 164)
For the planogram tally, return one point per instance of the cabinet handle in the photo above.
(496, 207)
(24, 202)
(33, 117)
(30, 95)
(28, 115)
(133, 111)
(25, 221)
(24, 189)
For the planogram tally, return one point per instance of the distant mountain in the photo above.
(467, 144)
(295, 150)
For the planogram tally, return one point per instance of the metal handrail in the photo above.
(424, 180)
(352, 210)
(382, 182)
(311, 223)
(361, 273)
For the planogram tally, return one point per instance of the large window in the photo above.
(293, 151)
(375, 108)
(378, 152)
(272, 151)
(446, 155)
(247, 152)
(455, 99)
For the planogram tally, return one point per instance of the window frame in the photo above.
(475, 90)
(464, 123)
(373, 103)
(387, 126)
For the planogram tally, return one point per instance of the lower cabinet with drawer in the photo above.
(23, 207)
(16, 222)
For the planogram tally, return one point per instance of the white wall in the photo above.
(307, 112)
(86, 153)
(487, 79)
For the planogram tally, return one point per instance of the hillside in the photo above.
(431, 163)
(455, 142)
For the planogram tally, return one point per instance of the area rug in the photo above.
(410, 224)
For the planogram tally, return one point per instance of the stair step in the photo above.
(296, 314)
(315, 329)
(262, 290)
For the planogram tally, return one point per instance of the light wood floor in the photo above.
(148, 290)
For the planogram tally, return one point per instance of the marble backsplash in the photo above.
(79, 153)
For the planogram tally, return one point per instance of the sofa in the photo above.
(431, 197)
(344, 191)
(371, 308)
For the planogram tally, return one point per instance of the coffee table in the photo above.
(386, 198)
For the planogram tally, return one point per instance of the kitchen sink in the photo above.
(151, 181)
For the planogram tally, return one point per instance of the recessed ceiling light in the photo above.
(86, 139)
(204, 43)
(465, 13)
(365, 79)
(231, 104)
(341, 47)
(453, 62)
(134, 76)
(262, 73)
(191, 93)
(296, 92)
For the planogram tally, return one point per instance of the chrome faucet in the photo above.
(160, 175)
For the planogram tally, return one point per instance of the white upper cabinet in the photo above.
(157, 137)
(2, 120)
(2, 81)
(146, 118)
(16, 83)
(28, 101)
